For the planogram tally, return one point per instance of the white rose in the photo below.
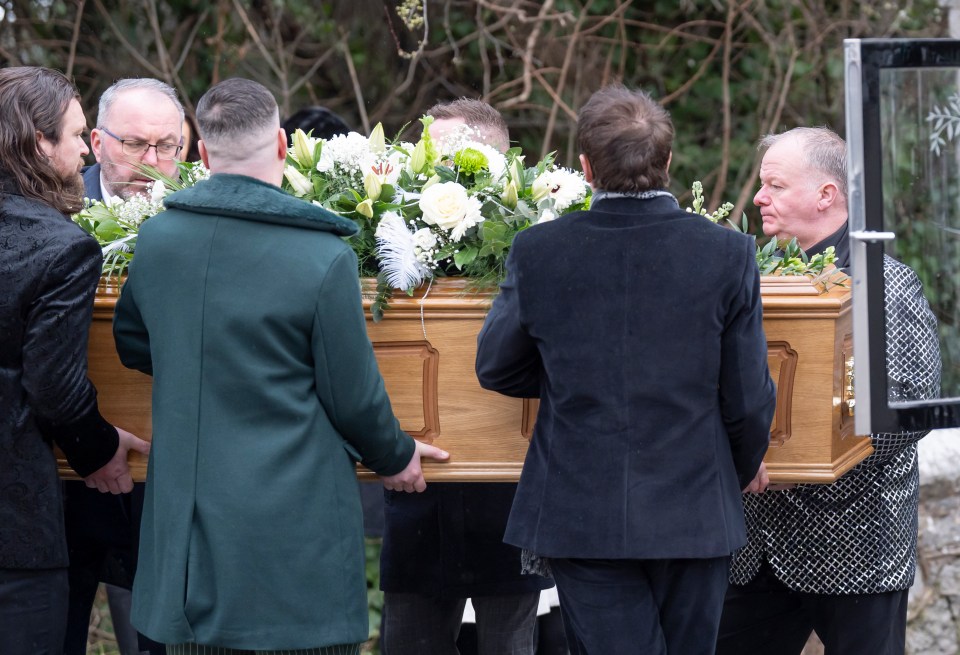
(424, 239)
(444, 205)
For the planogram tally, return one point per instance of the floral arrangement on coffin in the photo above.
(116, 222)
(776, 257)
(424, 209)
(433, 208)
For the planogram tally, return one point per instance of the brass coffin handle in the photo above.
(849, 401)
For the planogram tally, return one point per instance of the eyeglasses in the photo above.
(137, 148)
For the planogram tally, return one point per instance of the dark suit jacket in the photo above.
(49, 270)
(91, 182)
(639, 327)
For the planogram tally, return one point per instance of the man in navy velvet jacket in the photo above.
(139, 121)
(638, 325)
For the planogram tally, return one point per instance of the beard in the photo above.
(72, 190)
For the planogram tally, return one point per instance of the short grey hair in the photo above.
(234, 110)
(824, 150)
(134, 84)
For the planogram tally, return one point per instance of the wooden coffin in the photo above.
(426, 345)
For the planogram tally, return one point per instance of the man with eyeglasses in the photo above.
(139, 123)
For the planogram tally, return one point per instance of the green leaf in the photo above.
(464, 256)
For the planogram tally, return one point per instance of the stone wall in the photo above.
(933, 622)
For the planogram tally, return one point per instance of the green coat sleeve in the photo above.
(348, 379)
(129, 332)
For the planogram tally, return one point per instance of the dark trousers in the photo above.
(103, 532)
(414, 624)
(765, 616)
(33, 611)
(648, 607)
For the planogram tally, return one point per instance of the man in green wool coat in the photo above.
(243, 302)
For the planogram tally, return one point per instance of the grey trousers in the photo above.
(414, 624)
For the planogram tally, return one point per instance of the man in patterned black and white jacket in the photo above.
(837, 558)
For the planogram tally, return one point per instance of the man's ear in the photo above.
(827, 195)
(96, 142)
(669, 160)
(204, 155)
(587, 169)
(282, 144)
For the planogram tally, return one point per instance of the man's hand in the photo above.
(114, 476)
(411, 479)
(760, 482)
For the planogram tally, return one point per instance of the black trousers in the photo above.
(33, 611)
(765, 617)
(103, 533)
(414, 624)
(648, 607)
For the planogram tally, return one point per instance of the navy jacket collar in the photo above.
(657, 205)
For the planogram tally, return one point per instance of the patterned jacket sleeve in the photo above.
(913, 352)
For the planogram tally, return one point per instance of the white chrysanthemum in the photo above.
(346, 151)
(496, 162)
(471, 218)
(546, 216)
(563, 185)
(397, 252)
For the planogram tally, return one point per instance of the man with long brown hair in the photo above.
(49, 269)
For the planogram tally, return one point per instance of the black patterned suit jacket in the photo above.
(859, 534)
(49, 270)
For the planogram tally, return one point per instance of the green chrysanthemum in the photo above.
(471, 161)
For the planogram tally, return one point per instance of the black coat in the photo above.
(639, 327)
(447, 542)
(49, 270)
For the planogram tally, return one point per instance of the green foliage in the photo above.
(774, 258)
(787, 258)
(374, 595)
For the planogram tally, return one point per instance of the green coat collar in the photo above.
(239, 196)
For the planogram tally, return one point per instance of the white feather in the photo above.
(396, 250)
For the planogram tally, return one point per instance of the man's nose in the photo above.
(761, 198)
(150, 156)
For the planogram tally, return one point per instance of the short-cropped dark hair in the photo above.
(32, 100)
(234, 109)
(627, 136)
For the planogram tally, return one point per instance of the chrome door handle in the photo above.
(872, 236)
